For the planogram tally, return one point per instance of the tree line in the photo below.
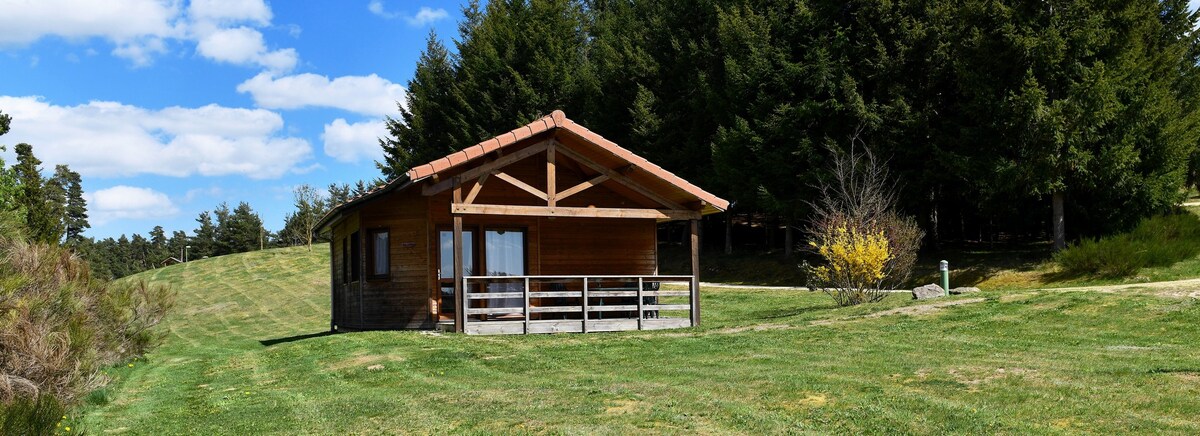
(1002, 119)
(39, 209)
(218, 232)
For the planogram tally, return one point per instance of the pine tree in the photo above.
(35, 197)
(431, 124)
(205, 239)
(239, 230)
(75, 217)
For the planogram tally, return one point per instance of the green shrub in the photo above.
(1155, 242)
(36, 415)
(59, 326)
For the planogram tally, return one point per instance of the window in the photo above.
(377, 251)
(345, 260)
(355, 257)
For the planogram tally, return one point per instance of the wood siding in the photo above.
(401, 299)
(346, 295)
(408, 297)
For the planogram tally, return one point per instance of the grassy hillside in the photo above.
(238, 361)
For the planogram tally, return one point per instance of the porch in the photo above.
(576, 304)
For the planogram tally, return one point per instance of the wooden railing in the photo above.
(576, 303)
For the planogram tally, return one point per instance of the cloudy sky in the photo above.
(169, 107)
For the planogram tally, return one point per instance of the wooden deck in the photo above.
(577, 304)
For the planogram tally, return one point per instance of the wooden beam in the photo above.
(578, 212)
(460, 312)
(518, 183)
(443, 186)
(620, 178)
(582, 186)
(551, 180)
(475, 189)
(695, 284)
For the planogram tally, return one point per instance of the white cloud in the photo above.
(352, 142)
(128, 202)
(25, 21)
(140, 51)
(244, 46)
(376, 7)
(368, 95)
(424, 16)
(110, 139)
(194, 193)
(223, 30)
(254, 11)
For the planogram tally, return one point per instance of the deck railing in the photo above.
(576, 303)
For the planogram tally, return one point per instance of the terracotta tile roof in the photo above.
(556, 119)
(462, 156)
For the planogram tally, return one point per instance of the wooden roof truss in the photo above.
(494, 169)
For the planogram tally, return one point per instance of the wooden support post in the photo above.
(641, 313)
(460, 303)
(551, 179)
(695, 285)
(585, 304)
(333, 303)
(526, 305)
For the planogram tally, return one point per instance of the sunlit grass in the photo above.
(1026, 362)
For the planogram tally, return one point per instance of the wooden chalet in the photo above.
(547, 228)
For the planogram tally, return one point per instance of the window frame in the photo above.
(356, 257)
(370, 258)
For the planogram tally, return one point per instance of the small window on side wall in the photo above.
(355, 257)
(378, 259)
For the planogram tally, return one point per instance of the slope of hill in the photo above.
(245, 355)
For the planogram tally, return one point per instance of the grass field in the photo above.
(245, 356)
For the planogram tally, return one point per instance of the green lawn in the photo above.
(764, 362)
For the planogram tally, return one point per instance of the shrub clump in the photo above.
(59, 326)
(866, 245)
(1156, 241)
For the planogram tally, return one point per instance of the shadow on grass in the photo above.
(277, 341)
(785, 313)
(972, 263)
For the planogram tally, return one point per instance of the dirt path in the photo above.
(1189, 288)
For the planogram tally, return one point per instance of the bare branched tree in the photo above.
(859, 198)
(310, 208)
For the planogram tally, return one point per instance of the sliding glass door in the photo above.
(446, 267)
(504, 255)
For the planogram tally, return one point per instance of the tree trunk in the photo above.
(728, 233)
(1060, 228)
(788, 242)
(933, 219)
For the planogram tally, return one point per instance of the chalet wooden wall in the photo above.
(346, 296)
(559, 246)
(402, 299)
(408, 297)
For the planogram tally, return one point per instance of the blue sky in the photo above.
(167, 108)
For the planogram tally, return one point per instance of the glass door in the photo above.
(504, 255)
(446, 307)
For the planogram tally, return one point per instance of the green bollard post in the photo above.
(944, 267)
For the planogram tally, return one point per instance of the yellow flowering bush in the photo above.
(855, 262)
(857, 255)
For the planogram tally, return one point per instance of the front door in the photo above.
(446, 307)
